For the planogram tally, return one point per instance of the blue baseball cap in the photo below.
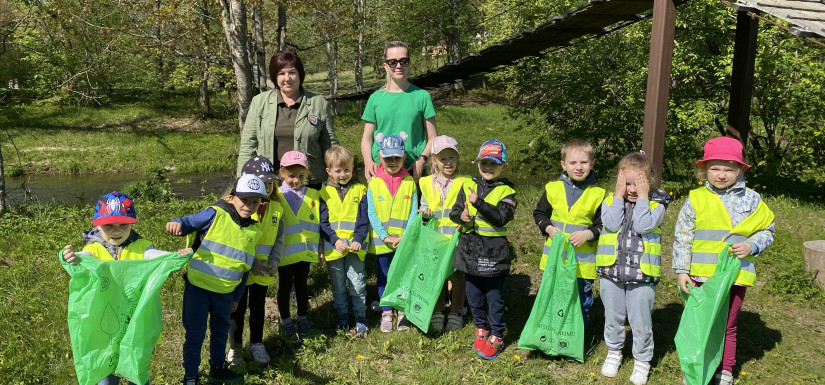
(493, 150)
(261, 167)
(114, 207)
(392, 146)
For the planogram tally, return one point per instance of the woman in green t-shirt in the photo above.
(396, 107)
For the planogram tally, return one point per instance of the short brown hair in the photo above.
(576, 145)
(338, 156)
(285, 59)
(638, 161)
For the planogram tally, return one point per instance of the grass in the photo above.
(780, 339)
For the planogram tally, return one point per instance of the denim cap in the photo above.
(249, 186)
(443, 142)
(723, 148)
(261, 167)
(114, 207)
(392, 145)
(293, 158)
(493, 150)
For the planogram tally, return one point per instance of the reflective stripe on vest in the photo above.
(342, 217)
(302, 230)
(132, 251)
(393, 211)
(226, 252)
(269, 228)
(576, 218)
(441, 210)
(651, 260)
(495, 196)
(714, 229)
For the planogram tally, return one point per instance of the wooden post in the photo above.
(813, 258)
(741, 83)
(658, 83)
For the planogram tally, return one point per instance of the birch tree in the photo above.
(234, 26)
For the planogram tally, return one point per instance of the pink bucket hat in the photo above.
(723, 148)
(294, 158)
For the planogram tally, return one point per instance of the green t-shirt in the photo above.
(394, 112)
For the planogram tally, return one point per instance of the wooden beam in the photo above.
(741, 83)
(658, 83)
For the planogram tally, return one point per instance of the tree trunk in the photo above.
(234, 27)
(262, 75)
(159, 57)
(332, 62)
(361, 10)
(455, 41)
(2, 184)
(281, 27)
(205, 103)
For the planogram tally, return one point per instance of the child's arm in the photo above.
(497, 215)
(70, 256)
(375, 221)
(277, 251)
(458, 208)
(362, 226)
(758, 241)
(612, 216)
(327, 233)
(413, 211)
(199, 222)
(542, 215)
(424, 208)
(646, 220)
(683, 240)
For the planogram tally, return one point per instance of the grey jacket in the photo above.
(258, 136)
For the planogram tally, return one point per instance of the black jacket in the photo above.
(479, 255)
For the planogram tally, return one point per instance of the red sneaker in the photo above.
(481, 339)
(490, 348)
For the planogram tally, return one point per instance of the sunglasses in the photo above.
(405, 62)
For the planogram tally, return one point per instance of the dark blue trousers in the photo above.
(489, 289)
(198, 305)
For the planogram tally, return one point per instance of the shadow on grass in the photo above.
(754, 338)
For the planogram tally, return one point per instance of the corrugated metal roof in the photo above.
(807, 16)
(589, 20)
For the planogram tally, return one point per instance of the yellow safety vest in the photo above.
(342, 217)
(224, 255)
(578, 217)
(481, 226)
(133, 250)
(714, 230)
(441, 210)
(302, 230)
(393, 211)
(651, 261)
(269, 229)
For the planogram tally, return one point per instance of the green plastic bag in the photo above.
(115, 314)
(700, 338)
(555, 325)
(422, 262)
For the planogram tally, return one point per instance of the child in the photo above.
(628, 261)
(267, 255)
(484, 208)
(572, 205)
(344, 228)
(391, 205)
(113, 239)
(225, 238)
(301, 241)
(438, 195)
(723, 211)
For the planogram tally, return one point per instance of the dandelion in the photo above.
(743, 373)
(764, 187)
(669, 285)
(671, 193)
(361, 357)
(756, 185)
(516, 357)
(700, 183)
(592, 374)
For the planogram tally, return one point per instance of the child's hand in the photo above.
(185, 251)
(642, 185)
(685, 282)
(340, 246)
(68, 255)
(321, 258)
(741, 249)
(173, 228)
(259, 268)
(465, 215)
(272, 269)
(234, 306)
(621, 186)
(392, 240)
(473, 196)
(426, 213)
(355, 247)
(551, 230)
(578, 238)
(395, 242)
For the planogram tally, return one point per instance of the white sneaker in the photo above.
(234, 357)
(612, 361)
(259, 353)
(640, 372)
(724, 378)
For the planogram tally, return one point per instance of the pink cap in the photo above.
(293, 158)
(443, 142)
(723, 148)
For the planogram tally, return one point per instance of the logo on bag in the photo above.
(543, 338)
(561, 313)
(421, 276)
(417, 307)
(104, 283)
(563, 344)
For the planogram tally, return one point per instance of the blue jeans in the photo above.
(586, 298)
(198, 305)
(114, 380)
(489, 290)
(384, 262)
(343, 272)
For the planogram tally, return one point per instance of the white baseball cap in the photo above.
(249, 186)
